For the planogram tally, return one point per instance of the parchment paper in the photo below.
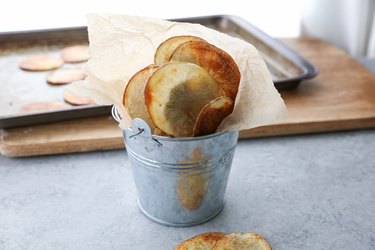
(121, 45)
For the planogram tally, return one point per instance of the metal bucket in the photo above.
(180, 182)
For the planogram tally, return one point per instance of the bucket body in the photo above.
(180, 181)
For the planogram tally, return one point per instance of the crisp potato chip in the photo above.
(158, 132)
(76, 100)
(242, 241)
(211, 115)
(134, 99)
(41, 62)
(42, 106)
(75, 54)
(64, 76)
(175, 94)
(165, 50)
(217, 62)
(204, 241)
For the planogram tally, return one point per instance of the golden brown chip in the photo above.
(165, 50)
(175, 94)
(134, 99)
(76, 100)
(211, 116)
(216, 61)
(158, 132)
(242, 241)
(41, 62)
(204, 241)
(75, 54)
(64, 76)
(42, 106)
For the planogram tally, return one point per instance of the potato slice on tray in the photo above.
(242, 241)
(65, 76)
(40, 62)
(77, 100)
(134, 100)
(75, 54)
(217, 62)
(176, 93)
(201, 241)
(43, 106)
(165, 50)
(211, 116)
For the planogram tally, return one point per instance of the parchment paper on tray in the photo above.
(121, 45)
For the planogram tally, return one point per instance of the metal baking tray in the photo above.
(286, 66)
(19, 87)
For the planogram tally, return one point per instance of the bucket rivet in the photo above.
(140, 131)
(159, 144)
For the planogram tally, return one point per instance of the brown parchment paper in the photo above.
(121, 45)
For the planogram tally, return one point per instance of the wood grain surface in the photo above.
(341, 97)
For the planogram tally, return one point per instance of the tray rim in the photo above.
(19, 120)
(309, 69)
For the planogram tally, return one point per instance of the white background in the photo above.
(278, 18)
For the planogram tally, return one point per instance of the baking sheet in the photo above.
(286, 66)
(21, 87)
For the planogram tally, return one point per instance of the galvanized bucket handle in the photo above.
(115, 114)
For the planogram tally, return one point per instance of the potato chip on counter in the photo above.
(222, 241)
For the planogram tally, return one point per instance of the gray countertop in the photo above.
(300, 192)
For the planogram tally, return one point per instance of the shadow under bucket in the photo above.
(180, 182)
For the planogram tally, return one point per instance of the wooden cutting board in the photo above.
(342, 97)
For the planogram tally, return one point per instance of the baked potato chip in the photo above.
(77, 100)
(65, 75)
(211, 116)
(158, 132)
(175, 94)
(42, 106)
(75, 54)
(165, 50)
(242, 241)
(201, 242)
(40, 62)
(134, 99)
(217, 62)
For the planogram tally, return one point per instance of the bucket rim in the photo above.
(196, 138)
(117, 117)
